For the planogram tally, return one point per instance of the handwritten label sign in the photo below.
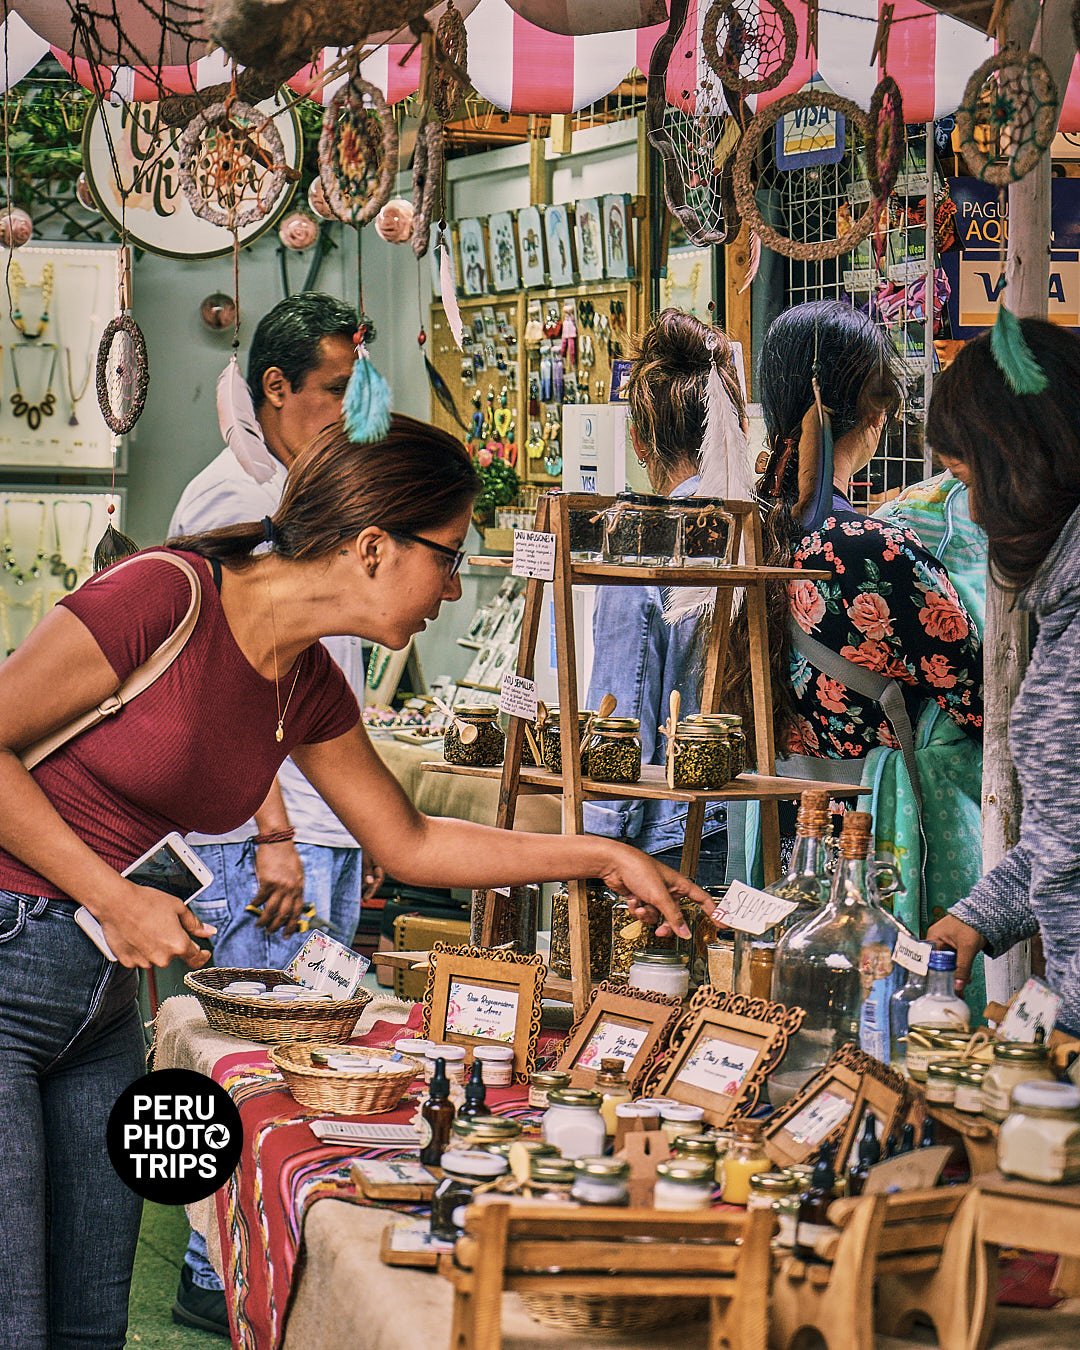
(323, 963)
(480, 1012)
(534, 554)
(912, 954)
(717, 1066)
(518, 697)
(817, 1120)
(1036, 1005)
(611, 1040)
(750, 910)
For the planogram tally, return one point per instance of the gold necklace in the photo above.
(279, 734)
(18, 284)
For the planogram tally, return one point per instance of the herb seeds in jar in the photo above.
(707, 533)
(630, 936)
(613, 750)
(551, 739)
(599, 901)
(701, 756)
(474, 738)
(642, 530)
(586, 535)
(683, 1183)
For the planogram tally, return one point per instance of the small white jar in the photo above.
(412, 1046)
(969, 1096)
(660, 972)
(1040, 1139)
(600, 1181)
(658, 1102)
(679, 1119)
(638, 1111)
(573, 1123)
(452, 1055)
(498, 1064)
(684, 1183)
(246, 987)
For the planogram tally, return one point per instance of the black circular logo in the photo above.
(174, 1136)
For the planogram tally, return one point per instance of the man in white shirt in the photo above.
(295, 851)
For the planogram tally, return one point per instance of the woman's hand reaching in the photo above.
(966, 941)
(652, 890)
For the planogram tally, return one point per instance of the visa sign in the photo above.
(983, 279)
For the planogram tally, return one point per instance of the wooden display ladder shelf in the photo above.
(553, 516)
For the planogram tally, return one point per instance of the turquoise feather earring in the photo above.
(1013, 356)
(366, 407)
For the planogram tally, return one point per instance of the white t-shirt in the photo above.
(224, 493)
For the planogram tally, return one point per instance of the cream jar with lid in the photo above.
(927, 1043)
(484, 1132)
(1015, 1062)
(543, 1082)
(601, 1181)
(942, 1080)
(969, 1081)
(498, 1064)
(573, 1123)
(453, 1056)
(778, 1191)
(680, 1119)
(414, 1048)
(683, 1183)
(661, 972)
(463, 1171)
(551, 1177)
(1040, 1139)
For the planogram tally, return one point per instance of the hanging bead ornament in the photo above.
(298, 231)
(394, 223)
(18, 283)
(16, 227)
(750, 44)
(358, 152)
(218, 311)
(85, 196)
(123, 369)
(316, 199)
(232, 164)
(886, 144)
(1008, 116)
(21, 575)
(451, 50)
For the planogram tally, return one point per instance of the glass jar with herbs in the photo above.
(474, 738)
(599, 902)
(642, 530)
(515, 917)
(701, 756)
(708, 531)
(551, 739)
(586, 535)
(613, 750)
(731, 726)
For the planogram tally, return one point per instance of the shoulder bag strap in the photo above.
(140, 679)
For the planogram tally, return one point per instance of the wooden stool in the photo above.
(548, 1249)
(910, 1244)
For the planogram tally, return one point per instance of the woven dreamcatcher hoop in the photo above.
(232, 164)
(426, 178)
(451, 50)
(1010, 105)
(358, 154)
(694, 135)
(750, 44)
(755, 135)
(887, 142)
(123, 374)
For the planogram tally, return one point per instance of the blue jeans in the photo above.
(70, 1042)
(333, 880)
(712, 860)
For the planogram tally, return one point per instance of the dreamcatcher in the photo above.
(1008, 117)
(750, 44)
(358, 151)
(694, 135)
(232, 164)
(888, 140)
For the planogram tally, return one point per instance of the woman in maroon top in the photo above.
(367, 541)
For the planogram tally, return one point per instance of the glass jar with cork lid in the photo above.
(474, 738)
(614, 1088)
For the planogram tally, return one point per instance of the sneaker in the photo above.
(201, 1308)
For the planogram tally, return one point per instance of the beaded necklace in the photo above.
(34, 413)
(12, 567)
(19, 283)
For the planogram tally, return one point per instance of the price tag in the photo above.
(534, 554)
(1036, 1005)
(750, 910)
(518, 697)
(912, 954)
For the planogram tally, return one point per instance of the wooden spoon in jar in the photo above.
(674, 705)
(608, 704)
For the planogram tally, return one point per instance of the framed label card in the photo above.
(722, 1049)
(631, 1026)
(480, 996)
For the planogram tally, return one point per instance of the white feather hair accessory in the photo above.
(240, 425)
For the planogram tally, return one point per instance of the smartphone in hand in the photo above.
(170, 866)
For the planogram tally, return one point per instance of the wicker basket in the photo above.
(338, 1091)
(241, 1015)
(611, 1312)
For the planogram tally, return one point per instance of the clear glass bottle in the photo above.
(900, 1014)
(838, 966)
(940, 1006)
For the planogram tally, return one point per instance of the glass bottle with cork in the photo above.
(436, 1117)
(838, 964)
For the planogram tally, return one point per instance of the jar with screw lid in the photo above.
(482, 1132)
(601, 1181)
(661, 972)
(683, 1183)
(701, 756)
(551, 739)
(573, 1123)
(599, 901)
(463, 1172)
(613, 750)
(969, 1081)
(474, 738)
(542, 1083)
(551, 1177)
(942, 1080)
(778, 1191)
(1040, 1139)
(1015, 1062)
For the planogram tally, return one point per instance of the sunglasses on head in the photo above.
(455, 555)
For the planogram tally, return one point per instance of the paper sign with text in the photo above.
(751, 911)
(534, 554)
(477, 1011)
(611, 1040)
(912, 954)
(323, 963)
(818, 1120)
(518, 697)
(1036, 1005)
(717, 1066)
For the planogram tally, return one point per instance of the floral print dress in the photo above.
(888, 606)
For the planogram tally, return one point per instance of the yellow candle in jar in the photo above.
(744, 1158)
(607, 1108)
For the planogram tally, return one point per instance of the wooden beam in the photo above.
(736, 306)
(562, 134)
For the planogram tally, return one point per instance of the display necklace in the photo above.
(73, 396)
(57, 566)
(33, 607)
(35, 413)
(279, 734)
(19, 283)
(21, 575)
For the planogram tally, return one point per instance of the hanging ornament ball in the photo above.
(298, 231)
(365, 330)
(316, 199)
(394, 223)
(85, 196)
(218, 311)
(421, 337)
(484, 456)
(16, 227)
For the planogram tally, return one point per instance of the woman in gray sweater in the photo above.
(1020, 456)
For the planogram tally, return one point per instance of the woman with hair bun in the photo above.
(688, 427)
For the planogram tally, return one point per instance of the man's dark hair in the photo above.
(288, 337)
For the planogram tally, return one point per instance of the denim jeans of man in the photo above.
(712, 860)
(70, 1042)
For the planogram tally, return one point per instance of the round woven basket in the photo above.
(241, 1015)
(610, 1312)
(338, 1091)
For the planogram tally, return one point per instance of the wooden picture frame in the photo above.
(821, 1111)
(618, 230)
(722, 1050)
(884, 1103)
(589, 239)
(633, 1025)
(476, 996)
(503, 249)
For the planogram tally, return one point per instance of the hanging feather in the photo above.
(1013, 356)
(441, 390)
(366, 408)
(240, 425)
(753, 263)
(815, 466)
(448, 287)
(112, 547)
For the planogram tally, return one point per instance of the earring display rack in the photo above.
(47, 539)
(62, 296)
